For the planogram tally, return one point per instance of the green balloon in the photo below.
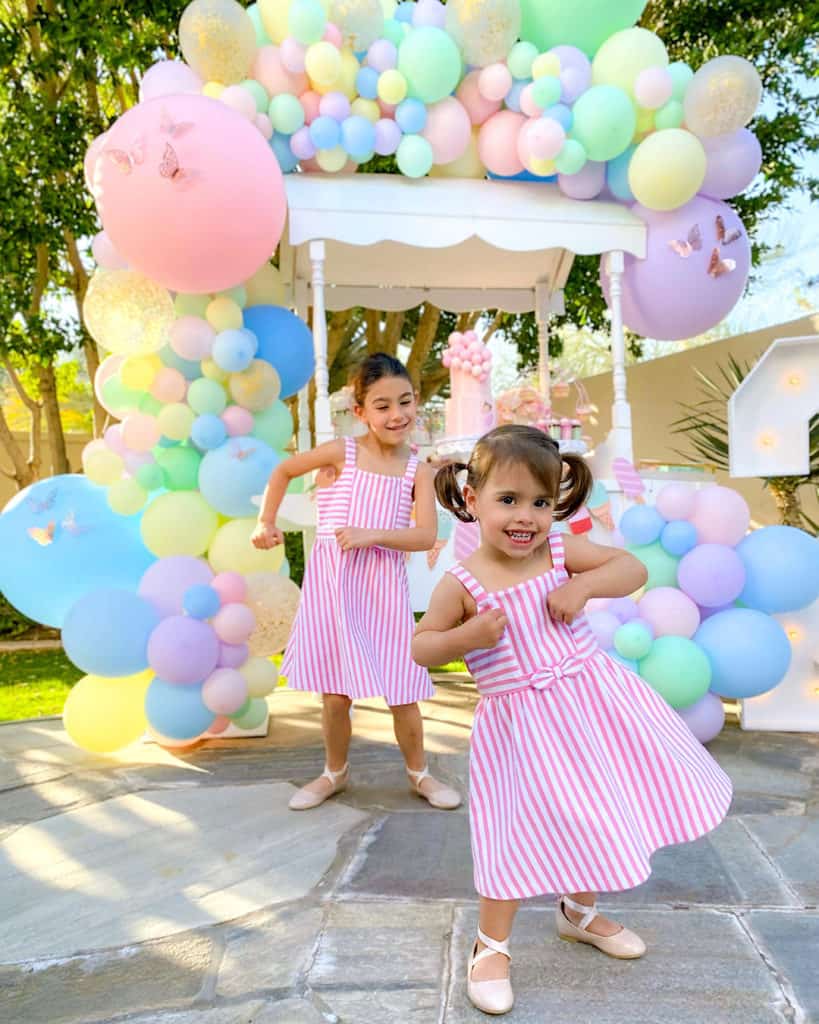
(669, 116)
(678, 669)
(546, 91)
(431, 63)
(259, 94)
(571, 159)
(118, 397)
(273, 425)
(582, 23)
(306, 21)
(253, 715)
(681, 75)
(604, 122)
(520, 60)
(191, 305)
(180, 467)
(206, 395)
(633, 641)
(286, 113)
(662, 567)
(414, 156)
(150, 477)
(255, 15)
(394, 31)
(150, 405)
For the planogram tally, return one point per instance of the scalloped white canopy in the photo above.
(486, 244)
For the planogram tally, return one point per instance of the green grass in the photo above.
(34, 683)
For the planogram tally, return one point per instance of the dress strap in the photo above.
(558, 550)
(350, 448)
(470, 584)
(412, 467)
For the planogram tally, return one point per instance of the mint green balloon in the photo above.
(681, 75)
(286, 113)
(262, 38)
(678, 669)
(414, 156)
(604, 122)
(150, 477)
(546, 91)
(431, 63)
(582, 23)
(206, 395)
(274, 426)
(662, 567)
(150, 405)
(119, 398)
(571, 159)
(180, 467)
(259, 94)
(191, 305)
(520, 60)
(633, 640)
(306, 21)
(669, 116)
(253, 715)
(394, 31)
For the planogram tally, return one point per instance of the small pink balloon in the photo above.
(134, 461)
(192, 337)
(475, 103)
(166, 78)
(382, 55)
(446, 359)
(669, 612)
(720, 515)
(310, 104)
(494, 81)
(274, 76)
(455, 362)
(234, 623)
(653, 87)
(292, 54)
(456, 338)
(332, 34)
(264, 124)
(447, 130)
(113, 439)
(544, 137)
(140, 432)
(103, 251)
(224, 691)
(497, 143)
(527, 102)
(483, 376)
(169, 385)
(237, 420)
(676, 501)
(470, 336)
(218, 725)
(230, 586)
(232, 655)
(301, 145)
(476, 371)
(240, 100)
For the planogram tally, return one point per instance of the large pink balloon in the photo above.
(498, 143)
(477, 106)
(672, 294)
(190, 193)
(720, 515)
(448, 130)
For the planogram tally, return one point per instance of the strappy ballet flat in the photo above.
(495, 996)
(305, 799)
(623, 945)
(445, 798)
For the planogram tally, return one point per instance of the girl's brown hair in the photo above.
(373, 369)
(567, 478)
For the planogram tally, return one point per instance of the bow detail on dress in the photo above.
(569, 667)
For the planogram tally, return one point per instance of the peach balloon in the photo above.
(498, 143)
(190, 194)
(169, 385)
(240, 100)
(274, 76)
(310, 102)
(447, 130)
(477, 105)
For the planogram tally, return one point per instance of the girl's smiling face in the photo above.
(389, 409)
(514, 510)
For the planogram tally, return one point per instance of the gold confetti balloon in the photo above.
(218, 40)
(722, 97)
(274, 600)
(485, 30)
(127, 313)
(361, 21)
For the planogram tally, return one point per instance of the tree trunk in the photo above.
(424, 338)
(24, 471)
(785, 491)
(56, 438)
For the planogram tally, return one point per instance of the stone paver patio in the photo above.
(170, 888)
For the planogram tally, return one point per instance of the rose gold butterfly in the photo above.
(243, 453)
(126, 160)
(72, 526)
(692, 244)
(44, 535)
(42, 504)
(717, 266)
(170, 168)
(176, 129)
(723, 237)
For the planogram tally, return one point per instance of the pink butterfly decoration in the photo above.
(692, 244)
(718, 266)
(243, 453)
(723, 237)
(44, 535)
(176, 129)
(170, 168)
(42, 504)
(126, 160)
(72, 526)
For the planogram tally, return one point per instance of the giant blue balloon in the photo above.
(233, 474)
(59, 540)
(748, 650)
(285, 342)
(176, 711)
(781, 569)
(106, 632)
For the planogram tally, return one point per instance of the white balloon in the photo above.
(722, 97)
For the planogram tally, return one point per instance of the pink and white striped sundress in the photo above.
(354, 625)
(579, 771)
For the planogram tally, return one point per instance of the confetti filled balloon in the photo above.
(218, 40)
(274, 599)
(361, 21)
(722, 96)
(485, 30)
(126, 312)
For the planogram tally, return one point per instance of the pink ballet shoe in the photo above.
(623, 945)
(443, 798)
(305, 799)
(496, 996)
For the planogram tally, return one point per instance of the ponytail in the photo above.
(575, 486)
(449, 493)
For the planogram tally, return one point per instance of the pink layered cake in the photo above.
(470, 410)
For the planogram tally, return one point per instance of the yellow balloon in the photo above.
(126, 497)
(645, 121)
(331, 160)
(366, 108)
(102, 467)
(178, 523)
(223, 314)
(667, 169)
(218, 40)
(213, 90)
(103, 714)
(468, 165)
(175, 421)
(322, 63)
(265, 288)
(231, 550)
(543, 168)
(257, 386)
(392, 86)
(261, 676)
(274, 18)
(138, 372)
(545, 64)
(388, 7)
(126, 312)
(349, 73)
(624, 55)
(214, 372)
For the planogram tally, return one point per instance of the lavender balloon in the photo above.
(696, 266)
(183, 650)
(711, 575)
(586, 184)
(733, 163)
(387, 136)
(705, 718)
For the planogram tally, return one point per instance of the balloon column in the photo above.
(703, 627)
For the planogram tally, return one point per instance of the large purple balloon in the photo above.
(705, 718)
(669, 296)
(183, 650)
(711, 575)
(733, 163)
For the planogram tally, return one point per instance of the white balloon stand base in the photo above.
(232, 732)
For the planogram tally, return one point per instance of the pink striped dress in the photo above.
(354, 625)
(579, 771)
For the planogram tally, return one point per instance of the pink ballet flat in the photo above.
(623, 945)
(496, 996)
(444, 798)
(305, 799)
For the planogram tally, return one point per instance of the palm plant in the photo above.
(705, 425)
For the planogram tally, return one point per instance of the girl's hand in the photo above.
(349, 537)
(566, 602)
(486, 629)
(266, 535)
